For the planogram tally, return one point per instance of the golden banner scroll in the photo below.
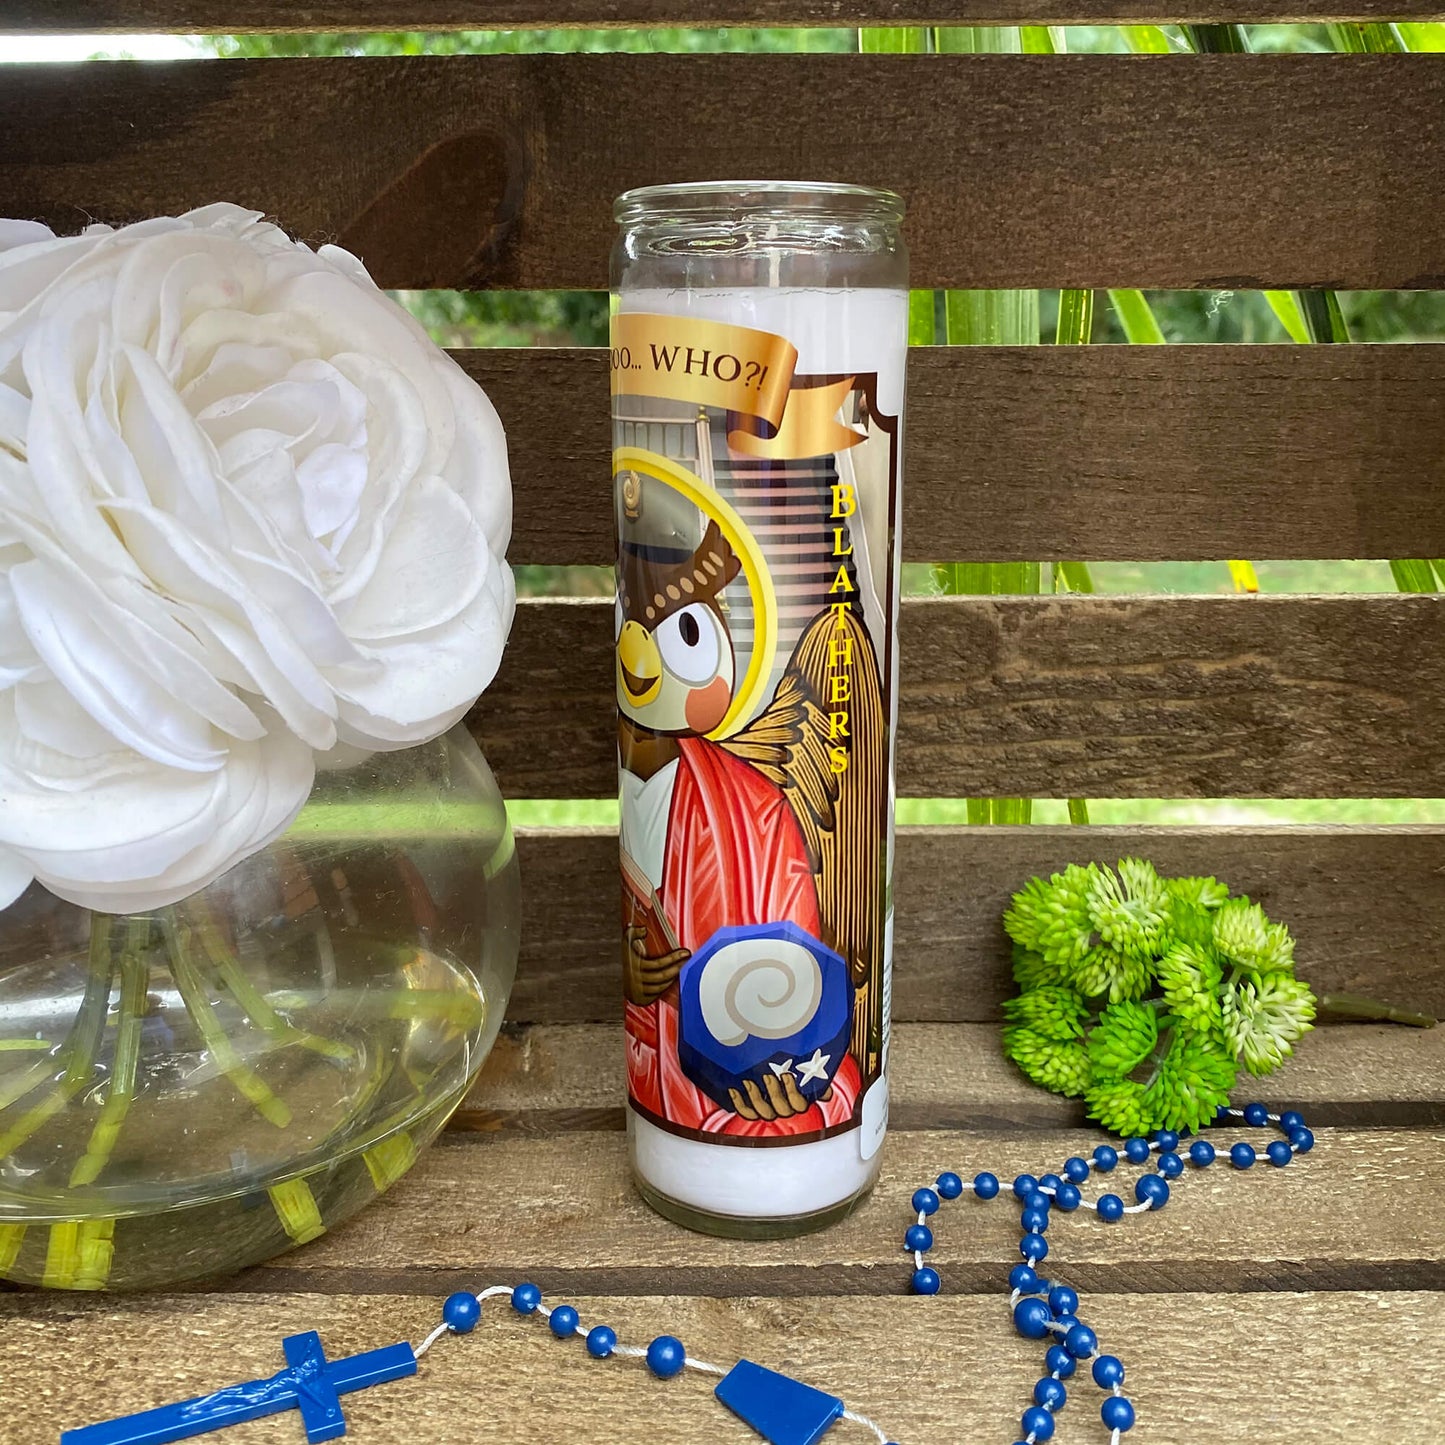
(733, 368)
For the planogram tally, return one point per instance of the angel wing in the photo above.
(841, 814)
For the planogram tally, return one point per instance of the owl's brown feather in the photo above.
(841, 816)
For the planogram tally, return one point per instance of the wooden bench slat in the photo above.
(233, 16)
(1112, 453)
(573, 1217)
(945, 1370)
(569, 1078)
(1062, 697)
(1366, 905)
(1184, 171)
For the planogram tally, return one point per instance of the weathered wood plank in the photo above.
(573, 1217)
(1056, 453)
(951, 1369)
(562, 1078)
(1180, 171)
(1366, 904)
(1092, 697)
(233, 16)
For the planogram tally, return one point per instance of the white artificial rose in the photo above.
(249, 513)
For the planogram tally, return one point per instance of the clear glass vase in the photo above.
(187, 1091)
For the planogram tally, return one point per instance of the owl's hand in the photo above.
(644, 979)
(777, 1099)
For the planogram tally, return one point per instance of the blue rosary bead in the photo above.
(1136, 1150)
(1037, 1220)
(1201, 1153)
(1063, 1300)
(1049, 1181)
(1279, 1153)
(461, 1312)
(526, 1298)
(1031, 1318)
(1024, 1185)
(1105, 1158)
(1058, 1361)
(1167, 1139)
(1037, 1200)
(1241, 1155)
(1152, 1189)
(601, 1342)
(1038, 1422)
(925, 1201)
(1108, 1372)
(1256, 1115)
(563, 1321)
(1068, 1198)
(666, 1357)
(1050, 1394)
(1022, 1277)
(1110, 1207)
(918, 1239)
(985, 1185)
(1117, 1413)
(1302, 1140)
(1170, 1165)
(949, 1186)
(1076, 1169)
(926, 1281)
(1081, 1342)
(1291, 1119)
(1034, 1247)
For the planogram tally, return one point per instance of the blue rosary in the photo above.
(781, 1410)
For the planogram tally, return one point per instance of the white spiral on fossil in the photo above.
(761, 987)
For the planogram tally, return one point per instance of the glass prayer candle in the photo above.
(759, 337)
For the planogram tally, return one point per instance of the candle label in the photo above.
(754, 672)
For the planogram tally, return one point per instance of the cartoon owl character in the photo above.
(738, 830)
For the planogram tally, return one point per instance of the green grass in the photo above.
(1105, 812)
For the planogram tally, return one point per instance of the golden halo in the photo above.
(712, 504)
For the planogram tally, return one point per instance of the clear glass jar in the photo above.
(758, 351)
(187, 1091)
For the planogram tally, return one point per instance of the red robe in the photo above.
(735, 855)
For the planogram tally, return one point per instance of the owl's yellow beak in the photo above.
(639, 664)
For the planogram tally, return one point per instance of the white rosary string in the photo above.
(631, 1352)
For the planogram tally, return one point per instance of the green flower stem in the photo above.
(1356, 1006)
(77, 1055)
(130, 1017)
(179, 942)
(254, 1003)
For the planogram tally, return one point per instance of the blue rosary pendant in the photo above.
(311, 1384)
(781, 1410)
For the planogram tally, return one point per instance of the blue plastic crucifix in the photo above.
(311, 1383)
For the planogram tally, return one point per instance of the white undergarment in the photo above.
(646, 807)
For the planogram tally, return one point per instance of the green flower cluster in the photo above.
(1145, 995)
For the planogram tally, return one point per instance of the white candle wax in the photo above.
(837, 332)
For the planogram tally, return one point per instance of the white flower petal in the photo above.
(248, 513)
(16, 875)
(432, 565)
